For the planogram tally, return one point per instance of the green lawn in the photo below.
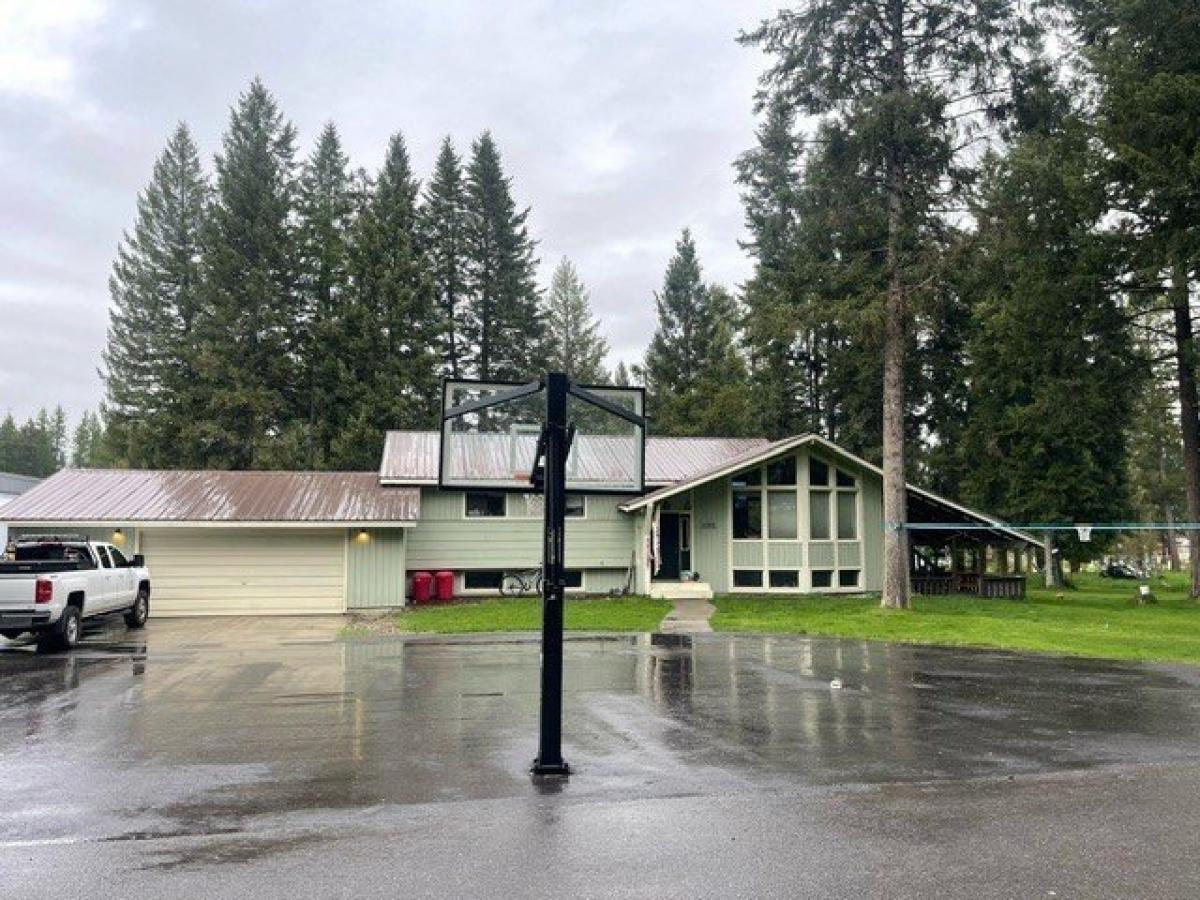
(525, 614)
(1096, 618)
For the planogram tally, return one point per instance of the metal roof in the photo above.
(172, 496)
(16, 484)
(411, 457)
(766, 451)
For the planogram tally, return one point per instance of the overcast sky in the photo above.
(619, 121)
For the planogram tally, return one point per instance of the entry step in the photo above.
(680, 590)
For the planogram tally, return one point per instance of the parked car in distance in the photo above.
(1120, 570)
(49, 584)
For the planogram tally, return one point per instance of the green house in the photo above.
(719, 515)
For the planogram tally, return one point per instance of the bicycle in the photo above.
(518, 584)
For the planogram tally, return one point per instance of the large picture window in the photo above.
(782, 503)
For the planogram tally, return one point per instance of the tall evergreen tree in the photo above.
(502, 323)
(37, 446)
(154, 287)
(88, 445)
(394, 327)
(1040, 438)
(1143, 54)
(694, 377)
(326, 208)
(575, 345)
(622, 377)
(444, 236)
(1156, 469)
(248, 326)
(901, 78)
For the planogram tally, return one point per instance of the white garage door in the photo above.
(245, 571)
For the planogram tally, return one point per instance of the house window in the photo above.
(747, 515)
(848, 578)
(535, 504)
(749, 478)
(781, 515)
(847, 515)
(747, 578)
(486, 580)
(818, 515)
(782, 472)
(573, 579)
(818, 472)
(784, 578)
(846, 480)
(822, 578)
(485, 504)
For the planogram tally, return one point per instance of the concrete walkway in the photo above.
(689, 616)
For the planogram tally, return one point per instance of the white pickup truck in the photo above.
(50, 583)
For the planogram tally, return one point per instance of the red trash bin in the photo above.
(422, 587)
(444, 586)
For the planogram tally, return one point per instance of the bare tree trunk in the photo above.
(1050, 568)
(1189, 408)
(895, 494)
(1172, 543)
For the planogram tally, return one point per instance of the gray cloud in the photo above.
(618, 121)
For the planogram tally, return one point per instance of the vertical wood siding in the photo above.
(375, 569)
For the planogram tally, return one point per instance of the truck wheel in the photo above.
(136, 615)
(63, 634)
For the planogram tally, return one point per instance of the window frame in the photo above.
(466, 507)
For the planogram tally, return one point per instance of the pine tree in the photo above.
(693, 375)
(247, 329)
(574, 343)
(326, 208)
(901, 79)
(622, 377)
(502, 322)
(444, 236)
(779, 341)
(1040, 439)
(1143, 55)
(395, 324)
(88, 444)
(154, 288)
(36, 447)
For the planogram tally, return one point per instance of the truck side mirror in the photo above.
(138, 560)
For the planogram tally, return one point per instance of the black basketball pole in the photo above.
(556, 440)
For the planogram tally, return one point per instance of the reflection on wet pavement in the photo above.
(207, 726)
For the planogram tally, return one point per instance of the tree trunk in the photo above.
(1172, 543)
(1050, 568)
(1189, 409)
(895, 495)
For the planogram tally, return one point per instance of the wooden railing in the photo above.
(978, 585)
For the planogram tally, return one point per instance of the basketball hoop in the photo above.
(1084, 532)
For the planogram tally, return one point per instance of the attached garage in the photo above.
(240, 543)
(246, 571)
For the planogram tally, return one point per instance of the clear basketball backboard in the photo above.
(490, 433)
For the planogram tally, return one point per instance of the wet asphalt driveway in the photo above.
(224, 758)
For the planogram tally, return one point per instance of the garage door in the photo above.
(244, 571)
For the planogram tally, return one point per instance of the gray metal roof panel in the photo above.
(138, 495)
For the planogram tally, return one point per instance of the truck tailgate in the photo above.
(16, 591)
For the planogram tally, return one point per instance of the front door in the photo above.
(668, 545)
(675, 546)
